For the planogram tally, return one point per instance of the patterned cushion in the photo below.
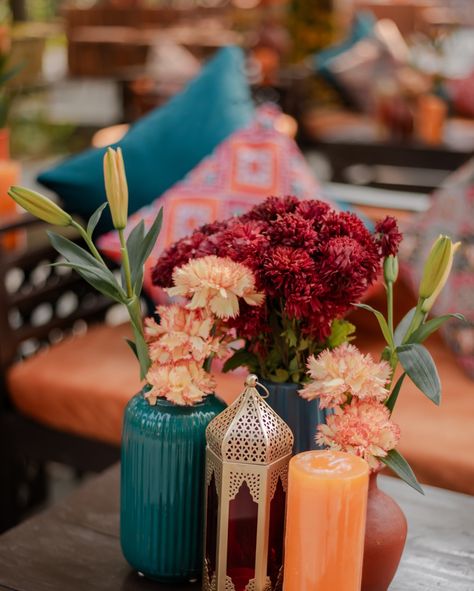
(246, 168)
(451, 213)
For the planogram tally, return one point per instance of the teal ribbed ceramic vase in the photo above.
(162, 483)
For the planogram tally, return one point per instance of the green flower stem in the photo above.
(389, 289)
(88, 241)
(126, 265)
(416, 322)
(135, 313)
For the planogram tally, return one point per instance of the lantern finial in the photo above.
(251, 380)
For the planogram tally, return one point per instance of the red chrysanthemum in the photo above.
(291, 229)
(311, 261)
(388, 236)
(271, 208)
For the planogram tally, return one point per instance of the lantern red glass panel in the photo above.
(248, 450)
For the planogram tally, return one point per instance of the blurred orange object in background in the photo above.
(9, 175)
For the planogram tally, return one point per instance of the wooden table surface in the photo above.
(75, 545)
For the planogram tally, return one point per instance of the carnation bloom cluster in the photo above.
(363, 428)
(188, 334)
(310, 261)
(354, 385)
(339, 375)
(215, 284)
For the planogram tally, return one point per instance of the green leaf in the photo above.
(341, 332)
(94, 219)
(241, 358)
(94, 279)
(99, 276)
(140, 344)
(403, 326)
(143, 249)
(132, 346)
(392, 399)
(142, 352)
(293, 365)
(152, 236)
(420, 367)
(134, 245)
(290, 337)
(382, 322)
(428, 328)
(280, 375)
(396, 462)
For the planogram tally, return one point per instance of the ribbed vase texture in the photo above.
(162, 483)
(299, 414)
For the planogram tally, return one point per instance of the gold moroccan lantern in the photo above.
(248, 450)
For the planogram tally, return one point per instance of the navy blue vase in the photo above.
(162, 486)
(302, 416)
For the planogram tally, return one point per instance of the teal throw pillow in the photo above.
(163, 146)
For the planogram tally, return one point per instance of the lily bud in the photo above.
(436, 271)
(116, 187)
(40, 206)
(390, 269)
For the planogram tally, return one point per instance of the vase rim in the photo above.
(170, 404)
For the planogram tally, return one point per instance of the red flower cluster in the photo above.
(312, 262)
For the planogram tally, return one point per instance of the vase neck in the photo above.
(373, 484)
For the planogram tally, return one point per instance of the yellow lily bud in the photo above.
(116, 187)
(390, 269)
(436, 271)
(40, 206)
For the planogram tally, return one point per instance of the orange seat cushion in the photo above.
(83, 384)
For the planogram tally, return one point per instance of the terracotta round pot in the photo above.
(385, 537)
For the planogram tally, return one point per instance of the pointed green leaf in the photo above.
(428, 328)
(96, 280)
(382, 322)
(152, 236)
(94, 219)
(99, 276)
(134, 244)
(403, 326)
(144, 250)
(132, 346)
(392, 399)
(341, 332)
(396, 462)
(134, 311)
(420, 367)
(241, 358)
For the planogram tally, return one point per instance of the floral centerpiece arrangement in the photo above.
(311, 262)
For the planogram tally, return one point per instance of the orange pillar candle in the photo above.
(325, 522)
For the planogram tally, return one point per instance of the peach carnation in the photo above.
(184, 383)
(345, 372)
(215, 283)
(362, 428)
(182, 334)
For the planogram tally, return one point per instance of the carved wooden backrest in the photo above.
(40, 304)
